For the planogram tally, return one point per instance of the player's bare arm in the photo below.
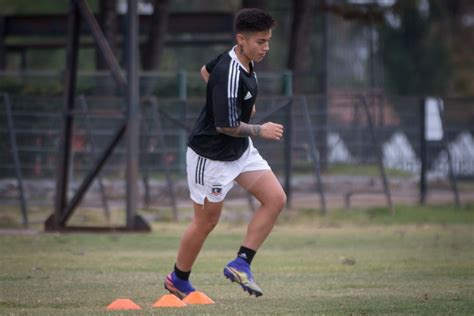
(204, 74)
(269, 130)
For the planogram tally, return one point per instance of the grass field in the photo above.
(362, 263)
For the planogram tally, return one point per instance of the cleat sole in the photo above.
(235, 278)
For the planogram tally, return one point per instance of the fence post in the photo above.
(288, 91)
(162, 142)
(183, 95)
(452, 178)
(16, 159)
(64, 155)
(378, 154)
(422, 114)
(133, 115)
(145, 144)
(90, 136)
(315, 157)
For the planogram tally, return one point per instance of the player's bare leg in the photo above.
(265, 187)
(205, 219)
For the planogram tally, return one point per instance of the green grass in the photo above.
(411, 263)
(404, 214)
(363, 170)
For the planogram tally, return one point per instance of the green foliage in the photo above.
(11, 85)
(416, 56)
(38, 6)
(18, 86)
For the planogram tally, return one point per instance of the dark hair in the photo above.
(253, 20)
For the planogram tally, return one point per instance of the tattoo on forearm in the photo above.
(257, 130)
(244, 130)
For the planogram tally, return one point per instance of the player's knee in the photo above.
(277, 201)
(208, 225)
(280, 200)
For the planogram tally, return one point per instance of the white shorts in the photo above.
(213, 179)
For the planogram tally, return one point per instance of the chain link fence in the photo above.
(351, 140)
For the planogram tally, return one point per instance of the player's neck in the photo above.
(244, 60)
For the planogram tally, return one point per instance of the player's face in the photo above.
(256, 45)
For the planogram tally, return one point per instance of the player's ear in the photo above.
(240, 38)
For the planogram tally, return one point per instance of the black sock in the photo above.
(181, 274)
(246, 253)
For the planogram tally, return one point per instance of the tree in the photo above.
(454, 15)
(415, 56)
(299, 53)
(151, 55)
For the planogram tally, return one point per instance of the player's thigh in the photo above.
(264, 185)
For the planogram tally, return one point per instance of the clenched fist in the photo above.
(271, 131)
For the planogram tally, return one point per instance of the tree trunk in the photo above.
(322, 117)
(461, 45)
(299, 62)
(108, 23)
(154, 46)
(299, 53)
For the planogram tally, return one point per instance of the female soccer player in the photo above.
(220, 151)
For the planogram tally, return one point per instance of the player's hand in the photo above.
(271, 131)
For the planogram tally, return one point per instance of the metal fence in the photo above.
(338, 145)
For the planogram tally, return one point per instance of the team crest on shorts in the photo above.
(216, 189)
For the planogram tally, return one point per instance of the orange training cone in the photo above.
(197, 298)
(122, 304)
(169, 300)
